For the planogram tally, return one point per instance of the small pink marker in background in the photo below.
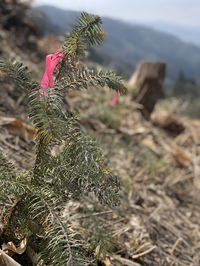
(51, 63)
(115, 98)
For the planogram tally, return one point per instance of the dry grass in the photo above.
(158, 222)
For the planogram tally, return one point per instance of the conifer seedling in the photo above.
(39, 194)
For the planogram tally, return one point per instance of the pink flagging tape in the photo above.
(51, 63)
(115, 98)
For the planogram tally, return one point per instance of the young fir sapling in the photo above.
(39, 194)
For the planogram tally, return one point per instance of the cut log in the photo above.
(168, 121)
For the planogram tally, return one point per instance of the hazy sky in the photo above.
(183, 12)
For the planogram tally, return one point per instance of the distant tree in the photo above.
(185, 87)
(181, 77)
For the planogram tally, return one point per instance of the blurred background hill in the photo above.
(127, 44)
(190, 34)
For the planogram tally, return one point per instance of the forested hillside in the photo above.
(128, 44)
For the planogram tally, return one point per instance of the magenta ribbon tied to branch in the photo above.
(47, 79)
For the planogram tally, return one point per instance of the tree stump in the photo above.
(148, 79)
